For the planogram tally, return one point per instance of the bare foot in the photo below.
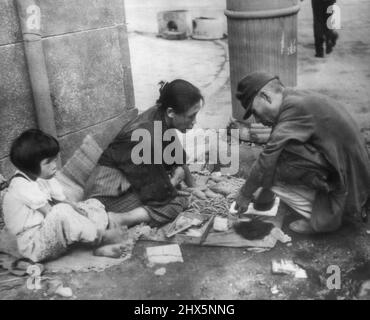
(115, 235)
(129, 218)
(110, 251)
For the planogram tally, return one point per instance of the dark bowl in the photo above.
(264, 201)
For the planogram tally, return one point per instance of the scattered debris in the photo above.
(164, 254)
(288, 267)
(160, 271)
(220, 224)
(263, 283)
(64, 292)
(274, 290)
(323, 293)
(280, 235)
(258, 250)
(301, 274)
(138, 231)
(55, 286)
(365, 290)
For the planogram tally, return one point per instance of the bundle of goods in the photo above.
(214, 193)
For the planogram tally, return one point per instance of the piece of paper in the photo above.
(288, 267)
(164, 254)
(251, 210)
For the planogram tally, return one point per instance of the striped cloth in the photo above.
(111, 187)
(106, 181)
(160, 215)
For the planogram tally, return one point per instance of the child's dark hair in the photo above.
(179, 95)
(30, 148)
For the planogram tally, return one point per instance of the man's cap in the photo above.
(248, 88)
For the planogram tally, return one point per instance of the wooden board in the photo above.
(188, 235)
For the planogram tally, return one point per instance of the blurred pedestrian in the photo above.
(323, 34)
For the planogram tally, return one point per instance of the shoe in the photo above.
(331, 42)
(334, 38)
(329, 47)
(302, 227)
(319, 54)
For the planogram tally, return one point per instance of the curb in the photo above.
(222, 75)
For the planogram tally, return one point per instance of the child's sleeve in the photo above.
(29, 193)
(56, 189)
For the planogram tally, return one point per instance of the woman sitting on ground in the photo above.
(149, 192)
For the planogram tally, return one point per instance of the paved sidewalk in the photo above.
(235, 273)
(343, 75)
(154, 59)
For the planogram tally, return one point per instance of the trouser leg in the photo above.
(62, 227)
(308, 189)
(318, 25)
(299, 198)
(329, 33)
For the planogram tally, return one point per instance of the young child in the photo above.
(36, 210)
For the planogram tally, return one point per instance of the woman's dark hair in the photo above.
(179, 95)
(30, 148)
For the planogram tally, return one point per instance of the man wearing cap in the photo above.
(315, 160)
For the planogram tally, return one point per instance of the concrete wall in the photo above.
(88, 67)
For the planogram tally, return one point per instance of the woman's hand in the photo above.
(178, 176)
(189, 179)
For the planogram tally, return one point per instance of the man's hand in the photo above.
(242, 203)
(3, 183)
